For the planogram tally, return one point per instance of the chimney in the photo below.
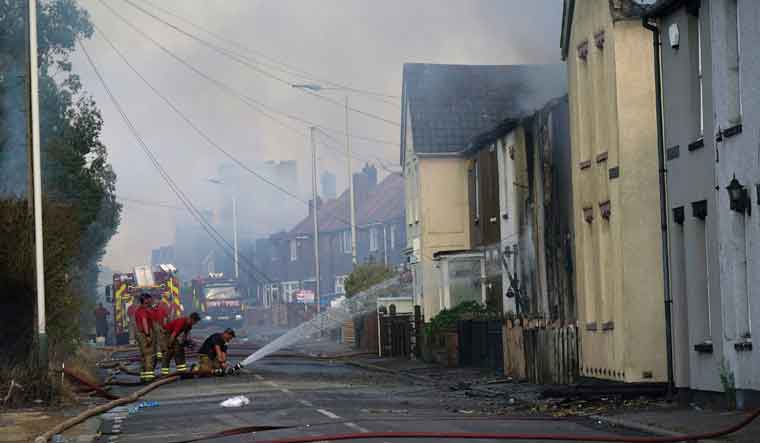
(364, 182)
(311, 206)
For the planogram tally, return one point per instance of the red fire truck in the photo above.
(127, 287)
(220, 301)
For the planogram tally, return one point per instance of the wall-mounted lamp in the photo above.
(739, 197)
(674, 36)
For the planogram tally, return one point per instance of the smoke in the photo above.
(360, 43)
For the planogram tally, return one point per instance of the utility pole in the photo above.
(314, 207)
(235, 235)
(37, 185)
(351, 190)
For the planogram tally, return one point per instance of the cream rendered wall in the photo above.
(444, 226)
(618, 261)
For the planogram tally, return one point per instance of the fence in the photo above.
(396, 335)
(540, 351)
(480, 344)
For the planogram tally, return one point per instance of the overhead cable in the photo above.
(244, 61)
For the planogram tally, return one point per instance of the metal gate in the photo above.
(396, 335)
(480, 344)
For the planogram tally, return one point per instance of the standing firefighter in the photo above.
(145, 338)
(173, 347)
(212, 355)
(159, 314)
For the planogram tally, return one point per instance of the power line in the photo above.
(277, 64)
(195, 127)
(213, 233)
(242, 60)
(249, 101)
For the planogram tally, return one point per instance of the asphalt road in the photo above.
(316, 398)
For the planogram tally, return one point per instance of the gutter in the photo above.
(668, 299)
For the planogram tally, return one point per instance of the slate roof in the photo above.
(384, 202)
(448, 105)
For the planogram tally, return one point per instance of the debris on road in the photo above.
(235, 402)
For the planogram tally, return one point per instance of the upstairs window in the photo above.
(374, 239)
(345, 241)
(293, 250)
(732, 56)
(393, 237)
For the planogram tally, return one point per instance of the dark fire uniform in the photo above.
(208, 360)
(174, 348)
(145, 340)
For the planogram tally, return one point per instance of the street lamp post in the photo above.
(315, 208)
(352, 202)
(37, 185)
(218, 181)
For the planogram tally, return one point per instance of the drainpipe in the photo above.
(663, 205)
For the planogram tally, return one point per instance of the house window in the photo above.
(293, 250)
(508, 154)
(700, 79)
(733, 54)
(345, 241)
(275, 293)
(340, 284)
(476, 178)
(374, 239)
(289, 289)
(393, 237)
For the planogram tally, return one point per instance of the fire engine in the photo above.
(127, 287)
(219, 299)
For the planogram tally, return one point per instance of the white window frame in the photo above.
(340, 284)
(700, 78)
(289, 288)
(293, 250)
(345, 241)
(374, 239)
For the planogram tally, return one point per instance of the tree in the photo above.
(365, 276)
(78, 182)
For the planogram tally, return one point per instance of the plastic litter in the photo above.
(235, 402)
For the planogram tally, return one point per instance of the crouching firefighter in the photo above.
(212, 355)
(174, 347)
(144, 336)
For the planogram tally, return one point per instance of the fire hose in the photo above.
(489, 436)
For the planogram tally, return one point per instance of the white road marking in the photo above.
(356, 427)
(272, 384)
(328, 414)
(306, 403)
(258, 377)
(285, 390)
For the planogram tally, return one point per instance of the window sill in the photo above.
(729, 132)
(699, 144)
(744, 344)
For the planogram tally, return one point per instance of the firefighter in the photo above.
(133, 305)
(212, 355)
(159, 313)
(145, 337)
(173, 347)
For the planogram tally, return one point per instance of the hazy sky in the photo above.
(360, 43)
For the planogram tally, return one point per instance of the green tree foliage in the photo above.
(81, 213)
(365, 276)
(446, 320)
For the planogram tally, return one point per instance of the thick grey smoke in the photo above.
(361, 43)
